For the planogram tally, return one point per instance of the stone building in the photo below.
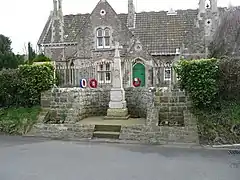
(151, 41)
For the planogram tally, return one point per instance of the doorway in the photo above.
(139, 72)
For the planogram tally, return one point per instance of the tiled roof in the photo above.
(72, 25)
(162, 33)
(157, 31)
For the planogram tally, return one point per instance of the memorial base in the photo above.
(117, 114)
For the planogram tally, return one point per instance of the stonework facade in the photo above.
(151, 41)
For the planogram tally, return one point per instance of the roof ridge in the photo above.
(78, 14)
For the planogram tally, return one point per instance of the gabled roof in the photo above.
(72, 25)
(157, 31)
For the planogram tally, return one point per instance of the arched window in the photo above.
(103, 38)
(107, 37)
(99, 38)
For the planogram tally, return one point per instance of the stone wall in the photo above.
(171, 107)
(62, 131)
(138, 101)
(169, 103)
(79, 103)
(154, 134)
(76, 103)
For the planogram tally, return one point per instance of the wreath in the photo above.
(93, 83)
(136, 82)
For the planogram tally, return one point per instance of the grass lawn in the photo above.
(18, 121)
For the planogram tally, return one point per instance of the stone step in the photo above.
(107, 128)
(106, 135)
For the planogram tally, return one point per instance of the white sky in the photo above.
(23, 20)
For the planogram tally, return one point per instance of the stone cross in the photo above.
(117, 47)
(117, 105)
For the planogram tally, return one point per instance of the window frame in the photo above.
(164, 73)
(104, 71)
(106, 36)
(103, 37)
(100, 37)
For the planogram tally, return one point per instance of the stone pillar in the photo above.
(117, 105)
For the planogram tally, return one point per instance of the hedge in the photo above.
(200, 79)
(230, 78)
(23, 86)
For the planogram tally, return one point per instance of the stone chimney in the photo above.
(57, 22)
(131, 15)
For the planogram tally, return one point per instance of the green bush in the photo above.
(34, 80)
(200, 79)
(41, 58)
(9, 86)
(23, 87)
(230, 79)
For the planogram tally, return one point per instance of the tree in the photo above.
(226, 41)
(5, 44)
(8, 59)
(31, 53)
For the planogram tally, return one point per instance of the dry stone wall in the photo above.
(79, 103)
(151, 132)
(76, 103)
(138, 101)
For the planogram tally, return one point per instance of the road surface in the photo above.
(39, 159)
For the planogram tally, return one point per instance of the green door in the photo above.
(139, 72)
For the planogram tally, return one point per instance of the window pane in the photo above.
(101, 67)
(101, 77)
(99, 32)
(107, 41)
(167, 73)
(108, 67)
(108, 76)
(100, 41)
(107, 32)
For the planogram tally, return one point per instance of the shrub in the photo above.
(24, 85)
(230, 79)
(34, 80)
(200, 79)
(41, 58)
(9, 86)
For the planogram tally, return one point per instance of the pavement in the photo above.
(43, 159)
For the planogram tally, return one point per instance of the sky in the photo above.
(23, 20)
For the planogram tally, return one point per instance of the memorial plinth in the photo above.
(117, 105)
